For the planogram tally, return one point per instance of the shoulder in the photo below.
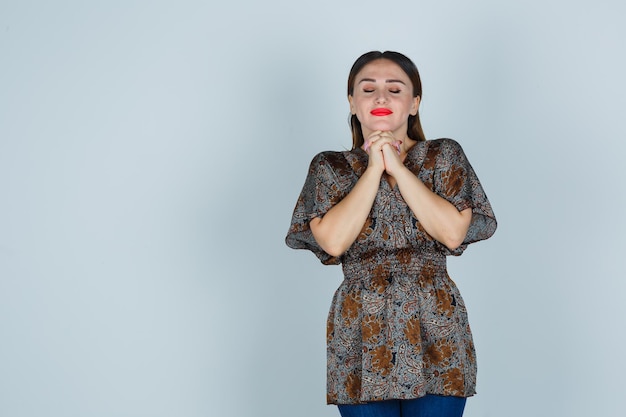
(444, 144)
(446, 149)
(331, 156)
(334, 160)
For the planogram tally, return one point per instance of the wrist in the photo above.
(399, 170)
(373, 172)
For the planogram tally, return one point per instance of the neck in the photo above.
(407, 144)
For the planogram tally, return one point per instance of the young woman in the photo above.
(390, 211)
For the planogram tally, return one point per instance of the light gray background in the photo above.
(151, 154)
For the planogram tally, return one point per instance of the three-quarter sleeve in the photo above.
(321, 191)
(456, 181)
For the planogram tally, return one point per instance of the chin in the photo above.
(382, 126)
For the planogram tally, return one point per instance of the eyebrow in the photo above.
(387, 81)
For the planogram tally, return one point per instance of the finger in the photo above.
(387, 135)
(390, 138)
(378, 142)
(371, 138)
(388, 149)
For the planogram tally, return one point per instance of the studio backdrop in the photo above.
(151, 154)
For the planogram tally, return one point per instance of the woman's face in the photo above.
(382, 98)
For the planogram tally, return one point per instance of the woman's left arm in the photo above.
(438, 217)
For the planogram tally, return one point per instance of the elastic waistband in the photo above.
(392, 262)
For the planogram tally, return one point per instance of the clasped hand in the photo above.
(384, 151)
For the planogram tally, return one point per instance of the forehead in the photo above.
(382, 69)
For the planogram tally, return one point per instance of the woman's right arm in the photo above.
(341, 225)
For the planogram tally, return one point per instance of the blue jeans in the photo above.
(428, 406)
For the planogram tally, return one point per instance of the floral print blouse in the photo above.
(397, 326)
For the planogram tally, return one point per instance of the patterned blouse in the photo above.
(397, 327)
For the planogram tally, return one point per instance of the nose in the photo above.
(381, 99)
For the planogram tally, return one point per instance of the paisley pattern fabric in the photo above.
(397, 326)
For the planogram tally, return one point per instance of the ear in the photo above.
(352, 109)
(415, 106)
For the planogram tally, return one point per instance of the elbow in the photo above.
(452, 246)
(334, 250)
(455, 236)
(453, 242)
(324, 239)
(334, 247)
(328, 240)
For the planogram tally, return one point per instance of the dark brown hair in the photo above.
(414, 129)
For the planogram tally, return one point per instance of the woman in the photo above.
(390, 211)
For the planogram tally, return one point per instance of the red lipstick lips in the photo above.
(381, 112)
